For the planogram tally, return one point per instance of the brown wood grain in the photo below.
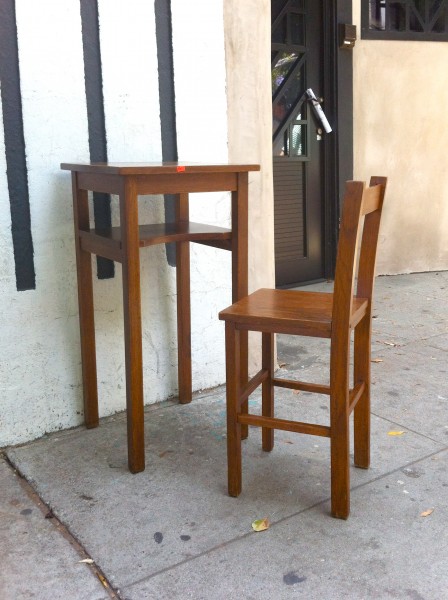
(240, 241)
(157, 233)
(156, 168)
(233, 387)
(183, 304)
(267, 389)
(288, 311)
(132, 326)
(332, 315)
(123, 243)
(363, 333)
(86, 310)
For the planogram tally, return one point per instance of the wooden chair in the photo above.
(321, 315)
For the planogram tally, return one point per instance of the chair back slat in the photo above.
(346, 255)
(369, 244)
(359, 201)
(372, 199)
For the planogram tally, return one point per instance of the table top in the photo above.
(157, 168)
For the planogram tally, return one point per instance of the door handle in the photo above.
(318, 110)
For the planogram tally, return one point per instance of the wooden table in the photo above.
(122, 244)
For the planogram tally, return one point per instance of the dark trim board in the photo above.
(16, 167)
(167, 102)
(95, 118)
(338, 88)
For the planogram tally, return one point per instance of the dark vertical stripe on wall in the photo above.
(167, 100)
(95, 117)
(17, 175)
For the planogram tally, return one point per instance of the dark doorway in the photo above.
(306, 159)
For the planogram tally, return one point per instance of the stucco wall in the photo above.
(40, 374)
(248, 47)
(401, 130)
(248, 43)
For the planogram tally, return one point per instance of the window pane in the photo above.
(283, 66)
(279, 113)
(279, 33)
(293, 89)
(439, 12)
(420, 6)
(435, 7)
(276, 8)
(405, 19)
(417, 18)
(281, 147)
(439, 25)
(298, 140)
(397, 16)
(377, 15)
(297, 29)
(284, 104)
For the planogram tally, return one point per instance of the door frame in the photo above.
(338, 150)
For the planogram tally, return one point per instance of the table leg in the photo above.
(183, 306)
(240, 272)
(86, 311)
(132, 326)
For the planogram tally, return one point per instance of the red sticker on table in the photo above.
(180, 169)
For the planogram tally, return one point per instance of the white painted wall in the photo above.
(201, 114)
(40, 382)
(40, 373)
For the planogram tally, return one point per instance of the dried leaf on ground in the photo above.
(396, 432)
(261, 524)
(296, 391)
(165, 452)
(103, 580)
(426, 513)
(88, 561)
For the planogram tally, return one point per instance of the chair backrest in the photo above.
(360, 203)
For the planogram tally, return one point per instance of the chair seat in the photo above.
(289, 311)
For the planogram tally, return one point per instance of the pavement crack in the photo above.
(62, 529)
(401, 426)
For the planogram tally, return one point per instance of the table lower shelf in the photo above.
(107, 242)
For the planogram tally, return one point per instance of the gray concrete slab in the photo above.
(172, 531)
(411, 389)
(179, 508)
(437, 341)
(36, 561)
(410, 308)
(385, 550)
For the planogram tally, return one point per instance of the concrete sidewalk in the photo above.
(173, 532)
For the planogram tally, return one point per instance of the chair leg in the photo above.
(267, 409)
(362, 409)
(339, 425)
(244, 377)
(340, 469)
(233, 391)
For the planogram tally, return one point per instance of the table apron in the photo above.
(184, 183)
(106, 184)
(178, 183)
